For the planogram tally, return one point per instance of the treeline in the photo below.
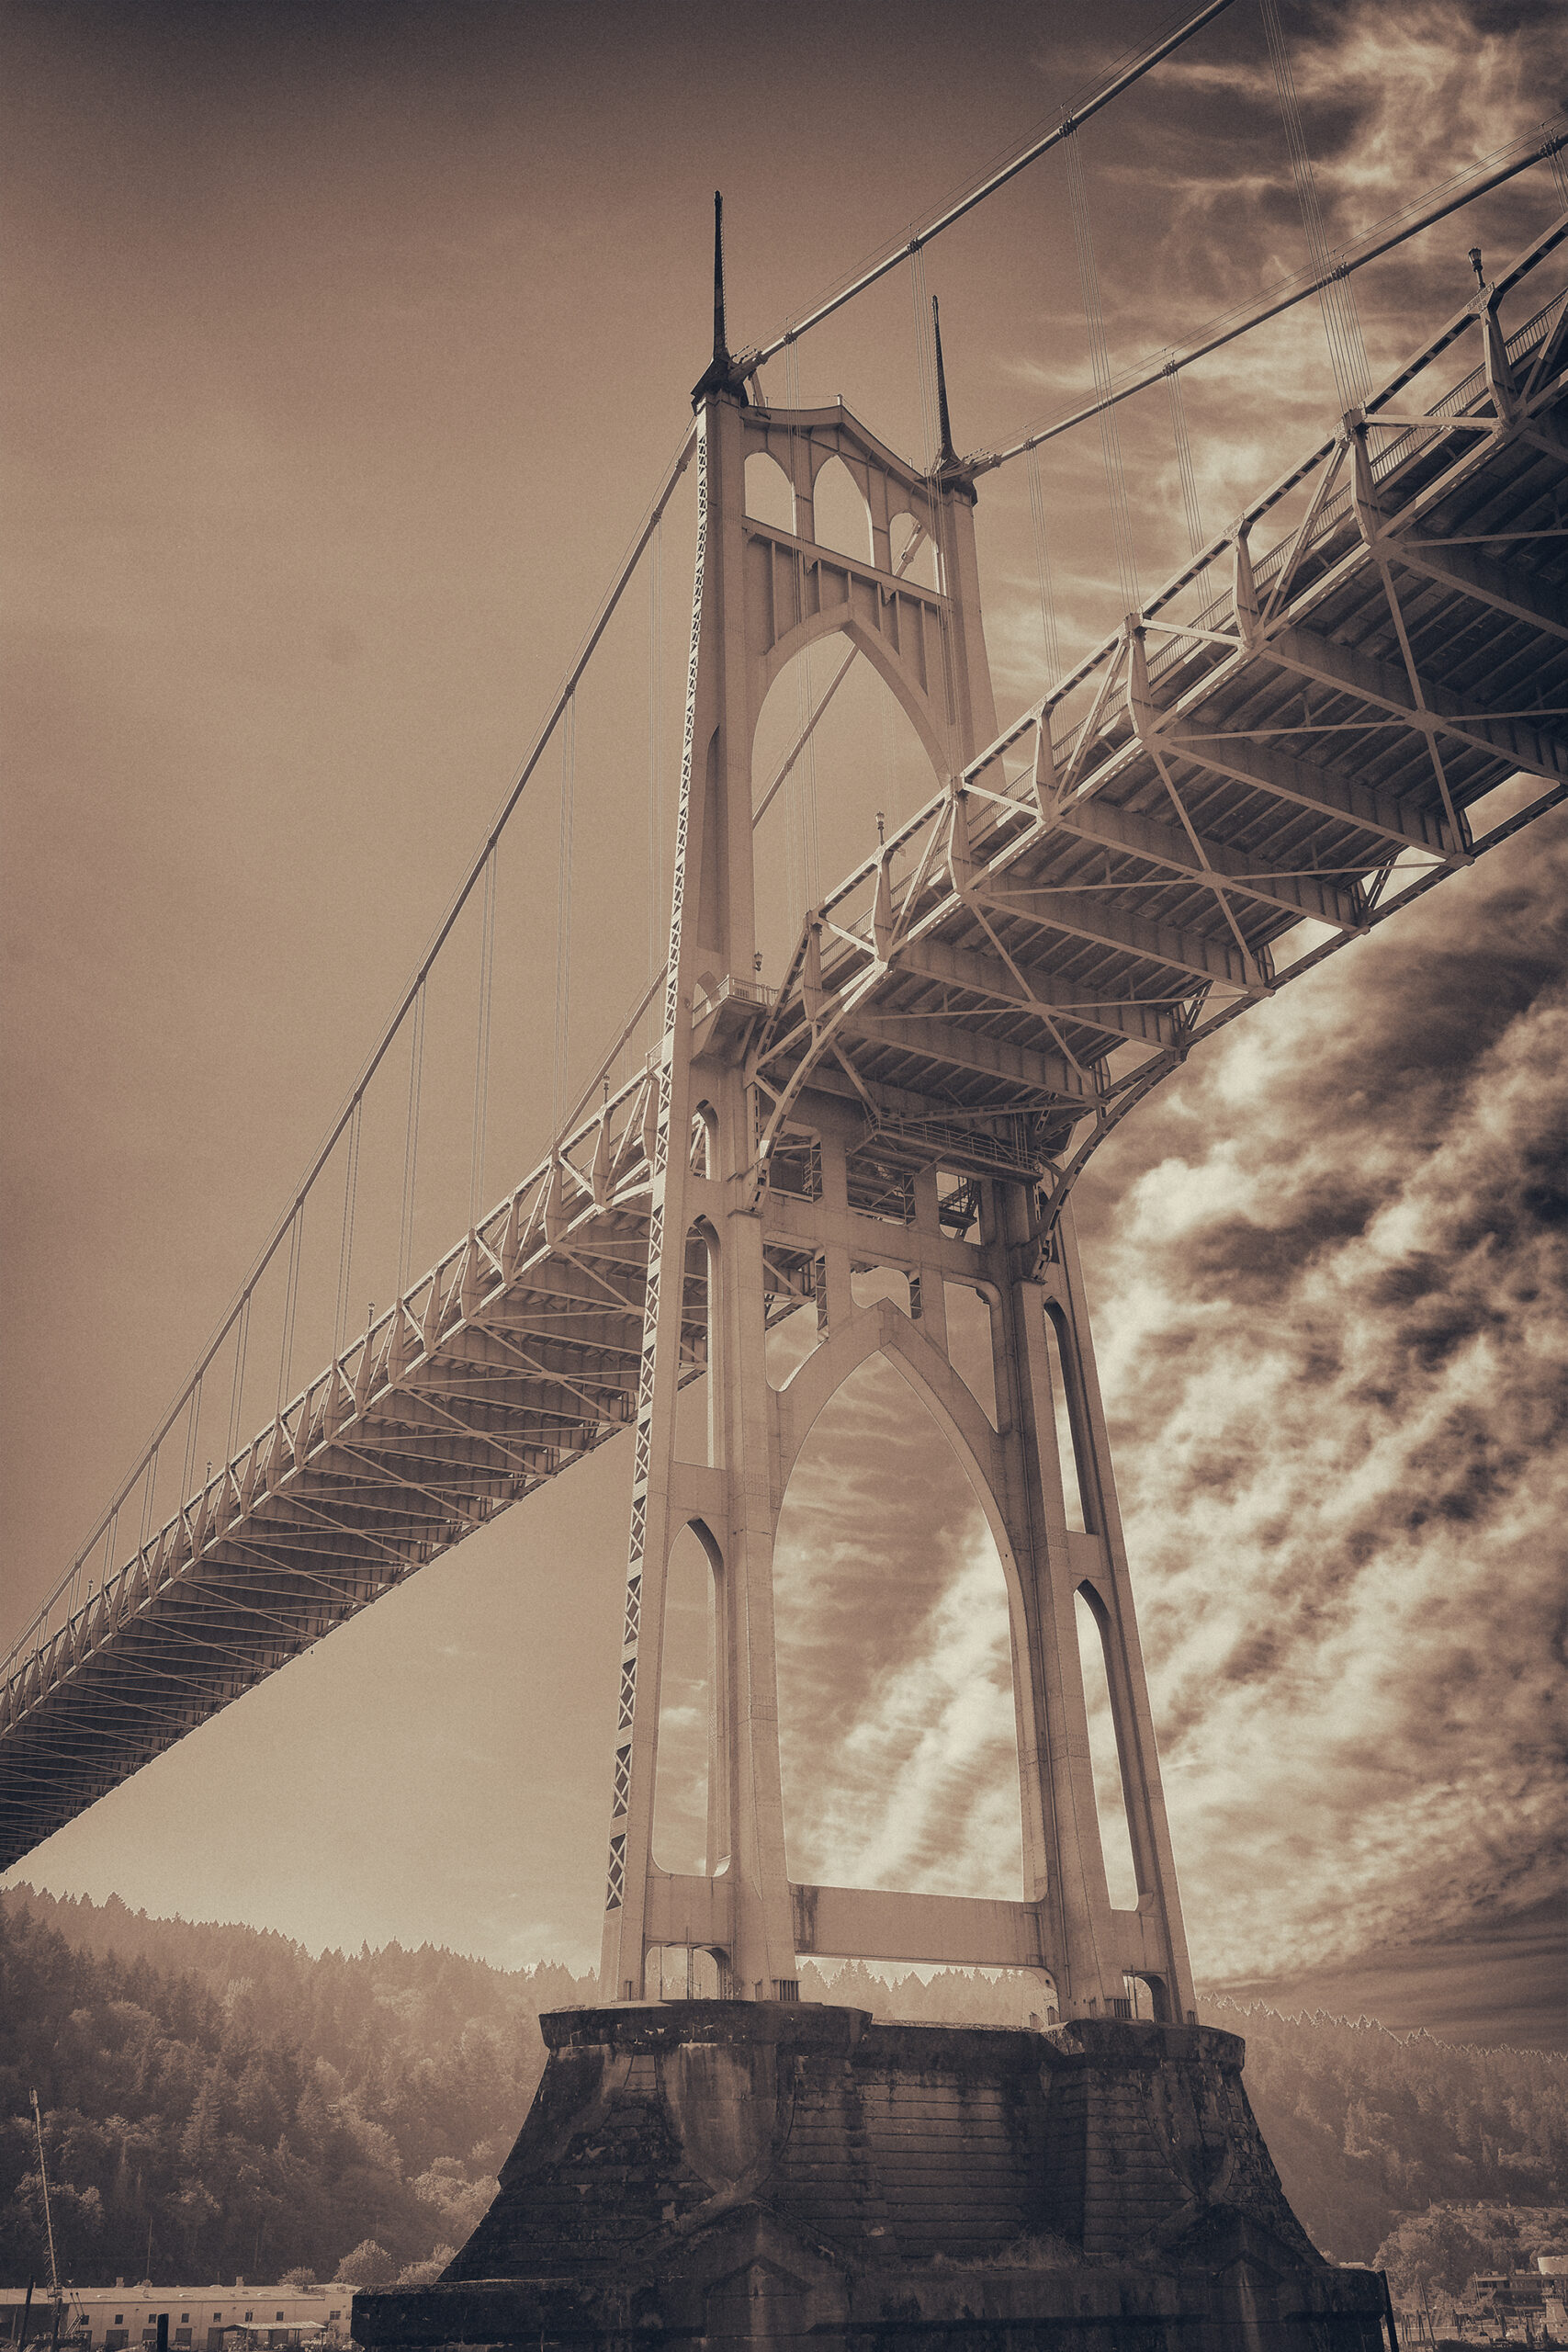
(259, 2111)
(1367, 2127)
(254, 2109)
(1433, 2258)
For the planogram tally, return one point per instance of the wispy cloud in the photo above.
(1332, 1285)
(1329, 1281)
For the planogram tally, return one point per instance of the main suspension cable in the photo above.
(1231, 325)
(1102, 97)
(286, 1229)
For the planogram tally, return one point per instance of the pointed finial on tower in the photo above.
(949, 467)
(720, 348)
(723, 376)
(947, 454)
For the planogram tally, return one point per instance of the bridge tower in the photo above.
(762, 596)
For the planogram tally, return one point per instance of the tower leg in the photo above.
(705, 1238)
(1060, 1456)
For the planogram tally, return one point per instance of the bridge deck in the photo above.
(1257, 764)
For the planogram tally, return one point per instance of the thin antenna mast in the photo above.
(43, 2175)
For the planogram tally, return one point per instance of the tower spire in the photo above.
(720, 348)
(949, 467)
(722, 376)
(946, 454)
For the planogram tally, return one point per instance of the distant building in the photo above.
(1516, 2306)
(144, 2318)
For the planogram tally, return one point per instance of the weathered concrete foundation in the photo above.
(726, 2173)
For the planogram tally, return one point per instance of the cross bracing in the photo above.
(1106, 885)
(1285, 735)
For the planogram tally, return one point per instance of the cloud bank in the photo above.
(1327, 1273)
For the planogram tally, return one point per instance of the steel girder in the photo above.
(1273, 746)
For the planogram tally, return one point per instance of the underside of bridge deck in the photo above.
(1265, 763)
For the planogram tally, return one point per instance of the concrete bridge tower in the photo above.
(719, 1234)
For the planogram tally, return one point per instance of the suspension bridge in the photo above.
(1344, 698)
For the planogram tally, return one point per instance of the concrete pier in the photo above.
(722, 2173)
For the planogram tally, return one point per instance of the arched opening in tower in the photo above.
(769, 498)
(897, 1730)
(680, 1781)
(1109, 1802)
(840, 516)
(863, 755)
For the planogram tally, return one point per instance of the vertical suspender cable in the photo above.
(1100, 361)
(793, 826)
(1049, 634)
(796, 882)
(813, 825)
(482, 1044)
(148, 1496)
(187, 1475)
(563, 909)
(410, 1141)
(1559, 174)
(799, 782)
(804, 787)
(290, 1302)
(924, 374)
(941, 446)
(1341, 321)
(237, 1393)
(1184, 465)
(930, 426)
(803, 833)
(657, 845)
(345, 1233)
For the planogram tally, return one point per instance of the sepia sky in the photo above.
(346, 344)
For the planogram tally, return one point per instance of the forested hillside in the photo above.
(260, 2110)
(1366, 2126)
(257, 2109)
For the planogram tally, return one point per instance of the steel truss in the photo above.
(1276, 753)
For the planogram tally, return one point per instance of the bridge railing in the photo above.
(1215, 615)
(1197, 620)
(96, 1566)
(605, 1157)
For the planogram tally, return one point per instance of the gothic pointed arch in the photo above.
(899, 1657)
(907, 664)
(883, 1329)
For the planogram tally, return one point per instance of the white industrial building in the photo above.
(223, 2318)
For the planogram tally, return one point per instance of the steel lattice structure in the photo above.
(1287, 734)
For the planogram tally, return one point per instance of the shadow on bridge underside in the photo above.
(1284, 745)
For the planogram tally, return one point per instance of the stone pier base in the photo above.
(724, 2172)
